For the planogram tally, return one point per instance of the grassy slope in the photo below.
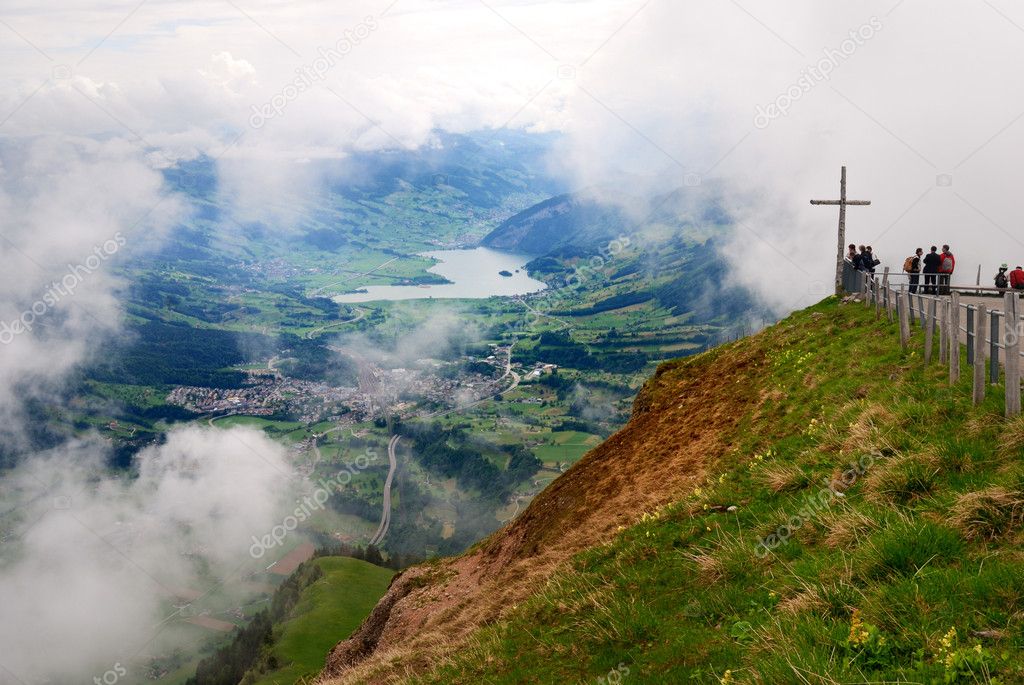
(867, 589)
(329, 610)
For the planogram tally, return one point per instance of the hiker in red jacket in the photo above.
(1017, 279)
(947, 262)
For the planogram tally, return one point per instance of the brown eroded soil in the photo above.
(684, 420)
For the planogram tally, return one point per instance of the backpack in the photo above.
(947, 265)
(1001, 280)
(908, 264)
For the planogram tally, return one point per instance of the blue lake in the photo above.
(474, 275)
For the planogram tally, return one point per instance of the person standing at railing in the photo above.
(1017, 279)
(868, 261)
(946, 266)
(931, 268)
(912, 265)
(851, 254)
(858, 259)
(1001, 279)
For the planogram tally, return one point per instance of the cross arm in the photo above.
(858, 203)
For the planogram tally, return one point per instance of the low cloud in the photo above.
(98, 560)
(440, 335)
(72, 209)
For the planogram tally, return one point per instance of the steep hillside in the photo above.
(665, 554)
(323, 599)
(677, 431)
(333, 605)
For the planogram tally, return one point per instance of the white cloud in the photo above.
(92, 577)
(71, 208)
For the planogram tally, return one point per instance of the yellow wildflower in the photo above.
(858, 633)
(948, 639)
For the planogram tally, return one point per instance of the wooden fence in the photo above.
(992, 336)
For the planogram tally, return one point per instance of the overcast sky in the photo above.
(921, 102)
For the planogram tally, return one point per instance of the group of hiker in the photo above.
(1015, 279)
(936, 267)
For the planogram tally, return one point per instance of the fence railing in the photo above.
(992, 336)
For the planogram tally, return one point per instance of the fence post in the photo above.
(929, 331)
(1012, 361)
(921, 310)
(971, 327)
(867, 288)
(902, 307)
(943, 331)
(954, 337)
(994, 348)
(979, 355)
(910, 309)
(882, 300)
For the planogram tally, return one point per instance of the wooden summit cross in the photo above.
(842, 202)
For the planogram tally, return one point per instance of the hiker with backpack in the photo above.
(1017, 279)
(1001, 280)
(931, 269)
(946, 266)
(912, 265)
(851, 255)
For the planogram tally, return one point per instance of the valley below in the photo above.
(429, 355)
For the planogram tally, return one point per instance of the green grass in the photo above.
(565, 453)
(327, 613)
(258, 422)
(914, 575)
